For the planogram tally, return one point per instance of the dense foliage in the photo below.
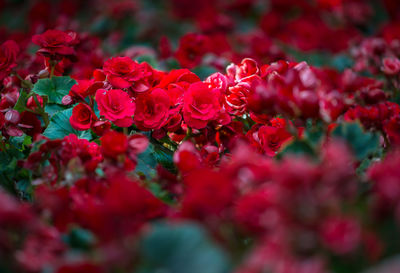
(206, 136)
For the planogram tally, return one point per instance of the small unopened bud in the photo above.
(138, 143)
(12, 116)
(67, 100)
(99, 127)
(43, 74)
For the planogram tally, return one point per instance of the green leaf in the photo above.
(13, 178)
(53, 108)
(23, 184)
(180, 248)
(364, 165)
(21, 142)
(171, 63)
(297, 147)
(150, 59)
(21, 102)
(321, 58)
(146, 163)
(60, 127)
(157, 190)
(341, 62)
(55, 88)
(80, 238)
(154, 154)
(164, 157)
(362, 143)
(314, 133)
(204, 71)
(379, 17)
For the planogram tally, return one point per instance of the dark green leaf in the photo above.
(314, 133)
(362, 143)
(164, 157)
(13, 178)
(21, 102)
(146, 163)
(341, 62)
(157, 190)
(23, 184)
(53, 108)
(60, 127)
(151, 60)
(55, 88)
(180, 248)
(321, 58)
(21, 142)
(204, 71)
(80, 238)
(171, 63)
(297, 147)
(155, 154)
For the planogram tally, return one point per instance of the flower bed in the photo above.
(200, 136)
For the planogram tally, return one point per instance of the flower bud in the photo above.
(12, 116)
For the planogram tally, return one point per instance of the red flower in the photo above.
(176, 76)
(2, 120)
(56, 44)
(236, 99)
(120, 71)
(308, 103)
(123, 72)
(30, 124)
(165, 47)
(392, 129)
(8, 55)
(116, 105)
(152, 109)
(114, 143)
(84, 88)
(138, 143)
(201, 185)
(31, 103)
(124, 206)
(259, 211)
(201, 105)
(126, 198)
(247, 68)
(186, 157)
(217, 80)
(82, 117)
(81, 267)
(341, 234)
(99, 127)
(192, 48)
(176, 82)
(386, 175)
(41, 248)
(271, 138)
